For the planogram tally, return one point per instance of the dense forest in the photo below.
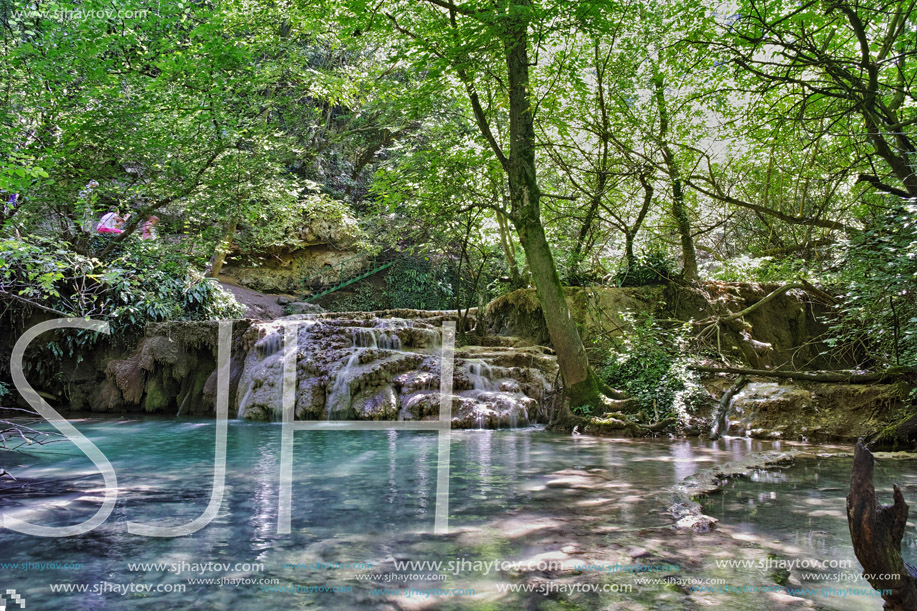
(680, 220)
(489, 146)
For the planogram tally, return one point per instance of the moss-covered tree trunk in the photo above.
(579, 381)
(679, 207)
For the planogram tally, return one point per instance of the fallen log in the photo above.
(772, 295)
(876, 532)
(844, 377)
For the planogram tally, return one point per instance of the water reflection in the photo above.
(359, 497)
(799, 514)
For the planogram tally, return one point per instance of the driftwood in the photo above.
(844, 377)
(719, 421)
(876, 531)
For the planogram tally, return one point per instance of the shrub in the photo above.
(652, 267)
(414, 283)
(652, 369)
(146, 281)
(877, 276)
(755, 269)
(366, 298)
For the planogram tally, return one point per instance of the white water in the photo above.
(365, 367)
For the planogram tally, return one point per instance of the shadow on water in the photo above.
(521, 496)
(799, 515)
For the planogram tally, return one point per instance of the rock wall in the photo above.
(172, 371)
(783, 331)
(356, 366)
(812, 411)
(283, 271)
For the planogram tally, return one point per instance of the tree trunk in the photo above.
(219, 256)
(525, 197)
(629, 257)
(579, 380)
(876, 531)
(506, 241)
(580, 383)
(679, 210)
(576, 257)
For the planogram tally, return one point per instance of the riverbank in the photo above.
(385, 366)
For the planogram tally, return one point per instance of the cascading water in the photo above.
(480, 374)
(339, 398)
(364, 367)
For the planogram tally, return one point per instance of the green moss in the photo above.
(155, 399)
(900, 434)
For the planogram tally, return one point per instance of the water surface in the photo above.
(365, 501)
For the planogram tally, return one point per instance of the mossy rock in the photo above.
(155, 399)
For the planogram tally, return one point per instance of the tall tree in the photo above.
(463, 41)
(834, 61)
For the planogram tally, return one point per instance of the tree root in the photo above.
(617, 422)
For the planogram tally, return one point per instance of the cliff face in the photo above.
(285, 270)
(316, 251)
(171, 370)
(784, 331)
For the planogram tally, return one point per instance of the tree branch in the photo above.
(876, 182)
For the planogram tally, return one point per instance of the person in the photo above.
(9, 208)
(148, 232)
(110, 223)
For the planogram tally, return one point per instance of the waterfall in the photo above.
(339, 399)
(366, 367)
(481, 375)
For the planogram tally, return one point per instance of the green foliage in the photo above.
(366, 298)
(148, 281)
(652, 369)
(583, 410)
(652, 267)
(878, 275)
(294, 222)
(412, 283)
(415, 283)
(745, 268)
(17, 172)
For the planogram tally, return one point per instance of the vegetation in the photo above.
(514, 143)
(411, 283)
(652, 368)
(146, 282)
